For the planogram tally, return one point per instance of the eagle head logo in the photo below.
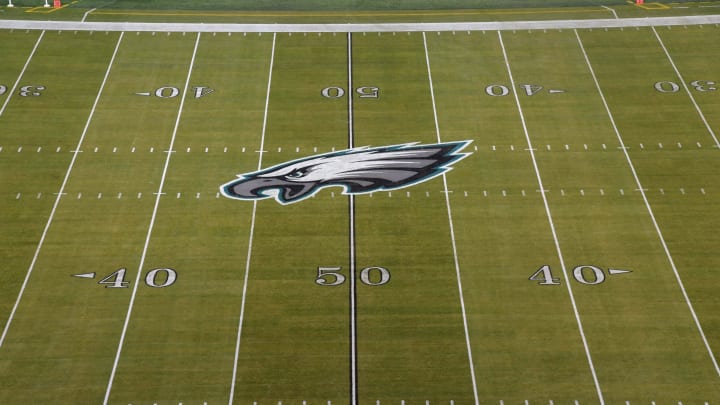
(358, 170)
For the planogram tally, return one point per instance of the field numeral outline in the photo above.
(362, 91)
(500, 90)
(25, 91)
(116, 279)
(584, 274)
(331, 276)
(702, 86)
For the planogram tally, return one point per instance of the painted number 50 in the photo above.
(372, 276)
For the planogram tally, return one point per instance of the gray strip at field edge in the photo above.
(385, 27)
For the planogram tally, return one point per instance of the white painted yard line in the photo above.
(351, 231)
(86, 14)
(611, 10)
(687, 90)
(452, 232)
(151, 225)
(22, 73)
(60, 193)
(252, 230)
(388, 27)
(531, 149)
(641, 189)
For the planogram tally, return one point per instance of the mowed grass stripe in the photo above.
(691, 375)
(192, 339)
(295, 338)
(446, 191)
(525, 339)
(52, 323)
(411, 343)
(22, 223)
(158, 196)
(693, 227)
(8, 90)
(543, 192)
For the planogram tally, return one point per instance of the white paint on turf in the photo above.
(647, 205)
(687, 90)
(22, 73)
(252, 229)
(551, 223)
(386, 27)
(452, 232)
(60, 193)
(150, 226)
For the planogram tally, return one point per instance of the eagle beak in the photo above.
(257, 188)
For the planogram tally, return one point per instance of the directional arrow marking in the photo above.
(85, 275)
(618, 271)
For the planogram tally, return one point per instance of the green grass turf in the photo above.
(524, 337)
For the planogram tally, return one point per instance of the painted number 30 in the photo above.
(332, 276)
(698, 85)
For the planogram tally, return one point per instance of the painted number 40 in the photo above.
(584, 274)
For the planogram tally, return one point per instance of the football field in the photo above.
(397, 215)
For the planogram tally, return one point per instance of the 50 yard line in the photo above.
(351, 211)
(152, 224)
(550, 221)
(62, 186)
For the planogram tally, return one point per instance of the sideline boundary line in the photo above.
(22, 73)
(552, 225)
(385, 27)
(60, 193)
(252, 230)
(452, 232)
(647, 205)
(151, 225)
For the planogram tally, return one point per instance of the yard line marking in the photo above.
(647, 205)
(351, 231)
(552, 225)
(86, 14)
(22, 73)
(60, 193)
(687, 90)
(452, 231)
(252, 228)
(151, 225)
(611, 10)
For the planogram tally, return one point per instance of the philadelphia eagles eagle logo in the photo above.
(358, 171)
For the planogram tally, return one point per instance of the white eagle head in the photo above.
(358, 170)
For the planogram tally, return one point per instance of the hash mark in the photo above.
(19, 149)
(132, 150)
